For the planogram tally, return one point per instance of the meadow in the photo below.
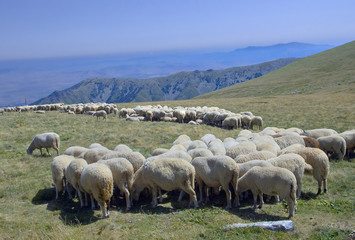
(28, 209)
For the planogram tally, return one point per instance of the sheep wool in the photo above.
(45, 140)
(58, 167)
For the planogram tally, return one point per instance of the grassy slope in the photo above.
(331, 71)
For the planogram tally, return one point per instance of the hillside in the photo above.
(331, 71)
(183, 85)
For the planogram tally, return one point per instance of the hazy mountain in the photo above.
(183, 85)
(34, 79)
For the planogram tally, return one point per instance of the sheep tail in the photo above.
(57, 142)
(192, 180)
(308, 169)
(343, 149)
(293, 192)
(235, 179)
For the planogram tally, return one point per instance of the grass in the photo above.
(28, 209)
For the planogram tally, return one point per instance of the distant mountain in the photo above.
(183, 85)
(34, 79)
(331, 71)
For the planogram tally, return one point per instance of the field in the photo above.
(28, 209)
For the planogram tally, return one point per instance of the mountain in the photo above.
(331, 71)
(34, 79)
(183, 85)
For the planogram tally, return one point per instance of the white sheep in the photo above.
(45, 140)
(94, 154)
(349, 137)
(256, 121)
(271, 181)
(246, 166)
(288, 140)
(197, 144)
(231, 122)
(123, 173)
(296, 164)
(319, 162)
(266, 143)
(97, 145)
(101, 113)
(122, 148)
(135, 158)
(96, 179)
(333, 144)
(200, 152)
(290, 149)
(75, 151)
(258, 155)
(72, 176)
(242, 148)
(216, 171)
(174, 154)
(217, 147)
(181, 139)
(167, 174)
(246, 120)
(321, 132)
(58, 168)
(159, 151)
(207, 138)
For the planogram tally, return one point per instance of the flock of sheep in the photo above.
(272, 162)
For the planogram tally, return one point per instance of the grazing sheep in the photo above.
(271, 181)
(216, 171)
(197, 144)
(135, 158)
(235, 150)
(319, 162)
(174, 154)
(45, 140)
(296, 164)
(200, 152)
(290, 149)
(246, 166)
(72, 176)
(97, 145)
(75, 151)
(101, 113)
(122, 148)
(256, 121)
(167, 174)
(217, 147)
(288, 140)
(333, 144)
(96, 179)
(258, 155)
(123, 173)
(321, 132)
(246, 120)
(311, 142)
(159, 151)
(94, 154)
(266, 143)
(349, 137)
(207, 138)
(181, 139)
(58, 168)
(230, 122)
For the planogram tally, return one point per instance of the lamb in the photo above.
(242, 148)
(319, 162)
(200, 152)
(216, 171)
(72, 176)
(256, 121)
(123, 173)
(58, 168)
(167, 174)
(321, 132)
(44, 140)
(94, 154)
(258, 155)
(217, 147)
(101, 113)
(271, 181)
(75, 151)
(296, 164)
(96, 179)
(135, 158)
(333, 144)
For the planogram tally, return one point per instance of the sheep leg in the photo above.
(104, 209)
(291, 207)
(160, 196)
(48, 152)
(86, 199)
(80, 198)
(255, 197)
(56, 192)
(200, 187)
(193, 199)
(92, 203)
(154, 197)
(40, 149)
(181, 195)
(299, 187)
(261, 200)
(225, 187)
(325, 185)
(319, 186)
(127, 195)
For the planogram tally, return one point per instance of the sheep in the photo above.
(290, 149)
(296, 164)
(287, 140)
(197, 144)
(217, 147)
(94, 154)
(200, 152)
(58, 167)
(44, 140)
(319, 162)
(159, 151)
(266, 143)
(96, 179)
(349, 137)
(216, 171)
(256, 121)
(258, 155)
(174, 154)
(271, 181)
(75, 151)
(123, 173)
(333, 144)
(122, 148)
(228, 139)
(246, 120)
(167, 174)
(242, 148)
(72, 176)
(207, 138)
(97, 145)
(181, 139)
(311, 142)
(316, 133)
(101, 113)
(246, 166)
(135, 158)
(230, 122)
(149, 115)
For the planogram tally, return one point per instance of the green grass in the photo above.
(28, 209)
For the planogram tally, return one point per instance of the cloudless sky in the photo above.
(56, 28)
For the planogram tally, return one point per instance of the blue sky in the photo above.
(43, 28)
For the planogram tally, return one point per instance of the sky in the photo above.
(61, 28)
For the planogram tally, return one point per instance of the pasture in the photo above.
(28, 209)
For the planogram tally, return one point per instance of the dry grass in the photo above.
(28, 209)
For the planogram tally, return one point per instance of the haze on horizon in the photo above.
(48, 29)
